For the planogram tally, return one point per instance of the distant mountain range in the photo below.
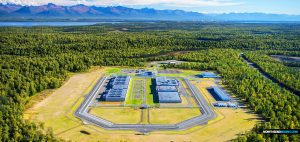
(118, 12)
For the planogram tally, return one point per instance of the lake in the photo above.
(31, 24)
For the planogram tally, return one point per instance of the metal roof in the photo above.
(119, 88)
(221, 93)
(117, 93)
(164, 81)
(168, 97)
(166, 89)
(121, 80)
(146, 73)
(208, 75)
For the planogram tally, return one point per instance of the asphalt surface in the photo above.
(82, 113)
(268, 76)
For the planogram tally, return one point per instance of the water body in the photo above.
(268, 22)
(32, 24)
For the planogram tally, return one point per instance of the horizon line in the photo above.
(200, 12)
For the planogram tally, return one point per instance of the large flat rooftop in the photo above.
(221, 93)
(116, 95)
(169, 97)
(118, 90)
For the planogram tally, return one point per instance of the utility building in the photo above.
(146, 74)
(221, 93)
(164, 81)
(119, 87)
(220, 104)
(208, 75)
(166, 89)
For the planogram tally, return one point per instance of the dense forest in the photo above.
(37, 58)
(277, 106)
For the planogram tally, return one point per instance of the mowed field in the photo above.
(57, 109)
(118, 114)
(172, 115)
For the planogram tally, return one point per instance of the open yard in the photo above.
(136, 92)
(118, 114)
(57, 109)
(172, 115)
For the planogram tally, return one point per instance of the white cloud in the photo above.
(168, 3)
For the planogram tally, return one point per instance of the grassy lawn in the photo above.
(120, 115)
(112, 70)
(130, 100)
(172, 115)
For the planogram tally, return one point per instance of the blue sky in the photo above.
(205, 6)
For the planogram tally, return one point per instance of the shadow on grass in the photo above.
(153, 91)
(85, 132)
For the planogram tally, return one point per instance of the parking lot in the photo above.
(169, 71)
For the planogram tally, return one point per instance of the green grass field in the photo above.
(133, 86)
(119, 115)
(130, 98)
(172, 115)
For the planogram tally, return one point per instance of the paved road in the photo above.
(251, 64)
(207, 114)
(185, 94)
(267, 76)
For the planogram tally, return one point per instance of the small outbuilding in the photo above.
(208, 75)
(230, 104)
(220, 104)
(166, 89)
(146, 74)
(164, 81)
